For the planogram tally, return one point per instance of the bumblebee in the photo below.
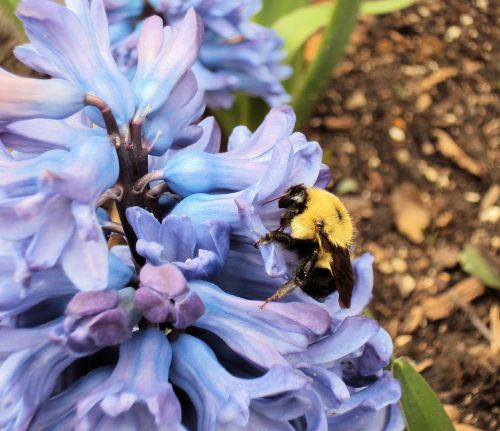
(320, 233)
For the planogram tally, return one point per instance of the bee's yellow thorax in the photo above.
(323, 207)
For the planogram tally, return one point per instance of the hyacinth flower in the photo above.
(237, 55)
(164, 330)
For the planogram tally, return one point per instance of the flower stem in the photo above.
(133, 163)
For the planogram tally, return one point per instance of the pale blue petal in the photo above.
(219, 398)
(262, 336)
(78, 45)
(25, 98)
(58, 412)
(138, 392)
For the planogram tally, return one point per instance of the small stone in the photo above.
(385, 267)
(399, 265)
(403, 340)
(315, 122)
(472, 197)
(374, 162)
(466, 19)
(482, 4)
(342, 122)
(424, 12)
(490, 197)
(397, 134)
(356, 100)
(423, 102)
(490, 215)
(428, 149)
(427, 283)
(379, 253)
(403, 155)
(450, 118)
(348, 147)
(495, 242)
(423, 365)
(453, 33)
(406, 285)
(452, 411)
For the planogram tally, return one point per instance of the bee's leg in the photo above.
(305, 267)
(298, 279)
(287, 288)
(281, 237)
(287, 217)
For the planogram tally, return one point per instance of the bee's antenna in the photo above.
(272, 200)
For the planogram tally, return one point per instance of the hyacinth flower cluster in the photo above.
(162, 331)
(236, 54)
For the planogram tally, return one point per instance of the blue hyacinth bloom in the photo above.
(237, 55)
(147, 317)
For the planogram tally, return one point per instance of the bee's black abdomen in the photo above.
(319, 284)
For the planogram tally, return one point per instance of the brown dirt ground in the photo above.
(433, 66)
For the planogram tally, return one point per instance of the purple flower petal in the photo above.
(328, 386)
(163, 296)
(237, 54)
(17, 295)
(58, 412)
(138, 394)
(40, 135)
(199, 252)
(349, 336)
(76, 43)
(362, 292)
(283, 409)
(384, 391)
(24, 98)
(163, 57)
(221, 399)
(118, 10)
(85, 263)
(95, 320)
(36, 369)
(261, 336)
(371, 407)
(376, 354)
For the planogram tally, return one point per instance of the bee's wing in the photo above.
(340, 266)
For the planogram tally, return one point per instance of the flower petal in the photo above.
(351, 334)
(76, 43)
(58, 412)
(220, 398)
(24, 98)
(138, 393)
(86, 263)
(261, 336)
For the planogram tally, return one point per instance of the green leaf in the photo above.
(421, 406)
(298, 26)
(475, 263)
(379, 7)
(274, 9)
(10, 5)
(8, 9)
(336, 35)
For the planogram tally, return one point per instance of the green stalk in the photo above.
(8, 9)
(331, 51)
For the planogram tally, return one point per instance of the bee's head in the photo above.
(295, 195)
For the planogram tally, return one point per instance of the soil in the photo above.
(433, 66)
